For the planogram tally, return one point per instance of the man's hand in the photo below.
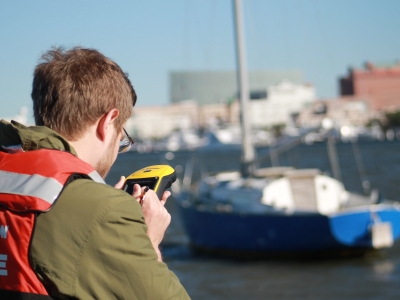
(155, 214)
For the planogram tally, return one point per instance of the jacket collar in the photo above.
(15, 135)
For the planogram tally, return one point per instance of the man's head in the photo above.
(86, 98)
(73, 88)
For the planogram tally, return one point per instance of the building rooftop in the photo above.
(377, 66)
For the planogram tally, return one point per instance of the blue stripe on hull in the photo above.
(351, 228)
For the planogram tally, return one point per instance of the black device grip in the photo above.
(165, 183)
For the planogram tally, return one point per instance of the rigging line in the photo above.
(199, 34)
(323, 35)
(211, 34)
(286, 43)
(333, 156)
(185, 57)
(252, 37)
(186, 36)
(360, 167)
(304, 33)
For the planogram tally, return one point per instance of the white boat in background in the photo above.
(280, 211)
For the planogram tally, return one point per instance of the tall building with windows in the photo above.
(378, 83)
(212, 87)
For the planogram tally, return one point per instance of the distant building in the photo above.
(212, 87)
(22, 117)
(283, 100)
(278, 104)
(379, 84)
(342, 111)
(160, 121)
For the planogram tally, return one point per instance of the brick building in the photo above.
(379, 84)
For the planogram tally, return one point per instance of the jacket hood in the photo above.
(32, 137)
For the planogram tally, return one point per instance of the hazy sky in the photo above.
(321, 38)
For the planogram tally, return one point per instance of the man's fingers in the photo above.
(165, 196)
(137, 192)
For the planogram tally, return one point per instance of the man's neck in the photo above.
(87, 149)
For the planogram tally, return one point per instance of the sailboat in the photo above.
(281, 210)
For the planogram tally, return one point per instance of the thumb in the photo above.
(120, 183)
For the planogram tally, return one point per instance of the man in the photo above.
(91, 240)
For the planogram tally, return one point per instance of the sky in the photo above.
(148, 39)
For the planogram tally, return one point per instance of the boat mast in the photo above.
(243, 84)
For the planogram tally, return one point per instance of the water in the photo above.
(371, 277)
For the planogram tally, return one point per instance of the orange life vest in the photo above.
(30, 183)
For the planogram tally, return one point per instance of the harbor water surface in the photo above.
(374, 276)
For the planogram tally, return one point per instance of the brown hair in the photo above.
(73, 88)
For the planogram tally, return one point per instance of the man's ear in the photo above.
(105, 123)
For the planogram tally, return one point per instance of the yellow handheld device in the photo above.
(158, 178)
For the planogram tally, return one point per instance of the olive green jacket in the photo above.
(92, 244)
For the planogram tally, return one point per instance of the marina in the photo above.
(258, 211)
(372, 276)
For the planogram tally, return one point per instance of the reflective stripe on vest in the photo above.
(38, 186)
(35, 185)
(96, 177)
(30, 182)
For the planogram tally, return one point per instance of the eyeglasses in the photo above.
(126, 143)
